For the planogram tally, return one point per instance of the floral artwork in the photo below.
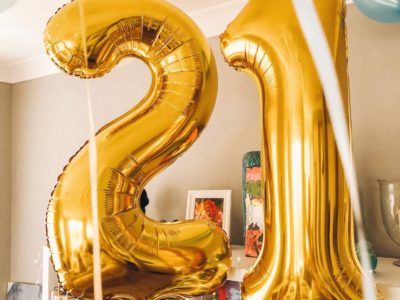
(253, 204)
(210, 209)
(254, 240)
(210, 205)
(230, 291)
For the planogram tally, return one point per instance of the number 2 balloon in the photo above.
(140, 258)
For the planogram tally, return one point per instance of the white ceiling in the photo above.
(22, 55)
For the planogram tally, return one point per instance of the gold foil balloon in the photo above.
(309, 242)
(140, 258)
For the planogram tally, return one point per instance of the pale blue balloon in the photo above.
(386, 11)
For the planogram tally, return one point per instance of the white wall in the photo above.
(49, 125)
(375, 97)
(5, 185)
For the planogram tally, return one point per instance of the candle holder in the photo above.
(390, 209)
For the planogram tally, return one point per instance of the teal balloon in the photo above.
(385, 11)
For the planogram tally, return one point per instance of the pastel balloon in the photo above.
(386, 11)
(140, 258)
(308, 250)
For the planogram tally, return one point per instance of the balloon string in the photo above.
(39, 260)
(320, 51)
(45, 273)
(98, 292)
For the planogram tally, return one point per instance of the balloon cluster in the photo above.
(309, 252)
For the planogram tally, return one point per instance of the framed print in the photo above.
(210, 205)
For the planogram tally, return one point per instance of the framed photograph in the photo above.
(211, 205)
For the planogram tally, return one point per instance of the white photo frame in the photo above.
(218, 199)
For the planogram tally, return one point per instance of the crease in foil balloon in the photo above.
(314, 35)
(140, 258)
(309, 251)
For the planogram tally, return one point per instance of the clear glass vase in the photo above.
(390, 208)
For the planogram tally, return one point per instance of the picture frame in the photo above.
(213, 205)
(230, 291)
(23, 291)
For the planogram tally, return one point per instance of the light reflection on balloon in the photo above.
(140, 258)
(309, 241)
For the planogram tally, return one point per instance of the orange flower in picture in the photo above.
(209, 209)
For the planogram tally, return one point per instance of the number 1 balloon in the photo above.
(140, 258)
(386, 11)
(309, 246)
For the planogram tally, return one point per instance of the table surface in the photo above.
(387, 275)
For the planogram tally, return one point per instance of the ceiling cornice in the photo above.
(41, 66)
(4, 77)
